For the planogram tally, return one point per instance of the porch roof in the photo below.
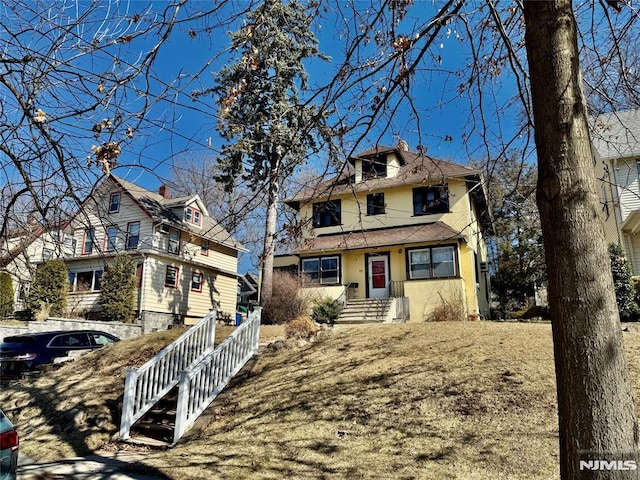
(427, 232)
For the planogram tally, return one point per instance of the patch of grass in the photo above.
(466, 400)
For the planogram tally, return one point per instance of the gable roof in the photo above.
(161, 210)
(616, 135)
(415, 169)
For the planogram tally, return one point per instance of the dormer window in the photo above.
(193, 216)
(374, 168)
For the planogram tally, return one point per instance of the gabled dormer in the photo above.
(376, 163)
(191, 210)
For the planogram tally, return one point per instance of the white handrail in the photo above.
(146, 385)
(199, 386)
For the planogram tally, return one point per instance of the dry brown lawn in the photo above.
(471, 400)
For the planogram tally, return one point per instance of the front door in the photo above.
(378, 276)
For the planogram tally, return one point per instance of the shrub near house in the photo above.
(50, 289)
(118, 290)
(6, 294)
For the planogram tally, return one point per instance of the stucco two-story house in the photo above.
(396, 224)
(615, 139)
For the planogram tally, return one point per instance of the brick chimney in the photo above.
(164, 191)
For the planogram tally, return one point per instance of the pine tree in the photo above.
(518, 234)
(117, 291)
(261, 109)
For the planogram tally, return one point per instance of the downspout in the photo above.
(142, 287)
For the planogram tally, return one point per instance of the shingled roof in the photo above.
(432, 232)
(415, 169)
(617, 134)
(160, 209)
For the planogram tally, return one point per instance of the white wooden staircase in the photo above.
(180, 382)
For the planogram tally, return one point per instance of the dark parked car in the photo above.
(26, 353)
(8, 449)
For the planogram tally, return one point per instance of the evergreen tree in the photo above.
(118, 288)
(6, 294)
(261, 111)
(625, 294)
(519, 254)
(50, 288)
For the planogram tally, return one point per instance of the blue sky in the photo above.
(183, 54)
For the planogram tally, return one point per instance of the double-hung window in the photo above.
(432, 262)
(110, 238)
(196, 282)
(322, 270)
(171, 277)
(375, 203)
(89, 241)
(428, 200)
(133, 235)
(114, 202)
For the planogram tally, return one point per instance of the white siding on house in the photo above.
(628, 186)
(218, 290)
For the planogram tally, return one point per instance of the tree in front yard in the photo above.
(50, 289)
(625, 293)
(262, 112)
(118, 288)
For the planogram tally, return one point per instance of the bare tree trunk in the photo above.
(266, 288)
(595, 406)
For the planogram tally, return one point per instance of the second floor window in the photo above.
(375, 204)
(114, 202)
(327, 214)
(428, 200)
(133, 235)
(204, 247)
(110, 239)
(89, 241)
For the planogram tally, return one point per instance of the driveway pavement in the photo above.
(121, 465)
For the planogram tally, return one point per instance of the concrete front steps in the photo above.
(366, 310)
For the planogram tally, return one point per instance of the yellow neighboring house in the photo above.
(615, 139)
(398, 224)
(186, 263)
